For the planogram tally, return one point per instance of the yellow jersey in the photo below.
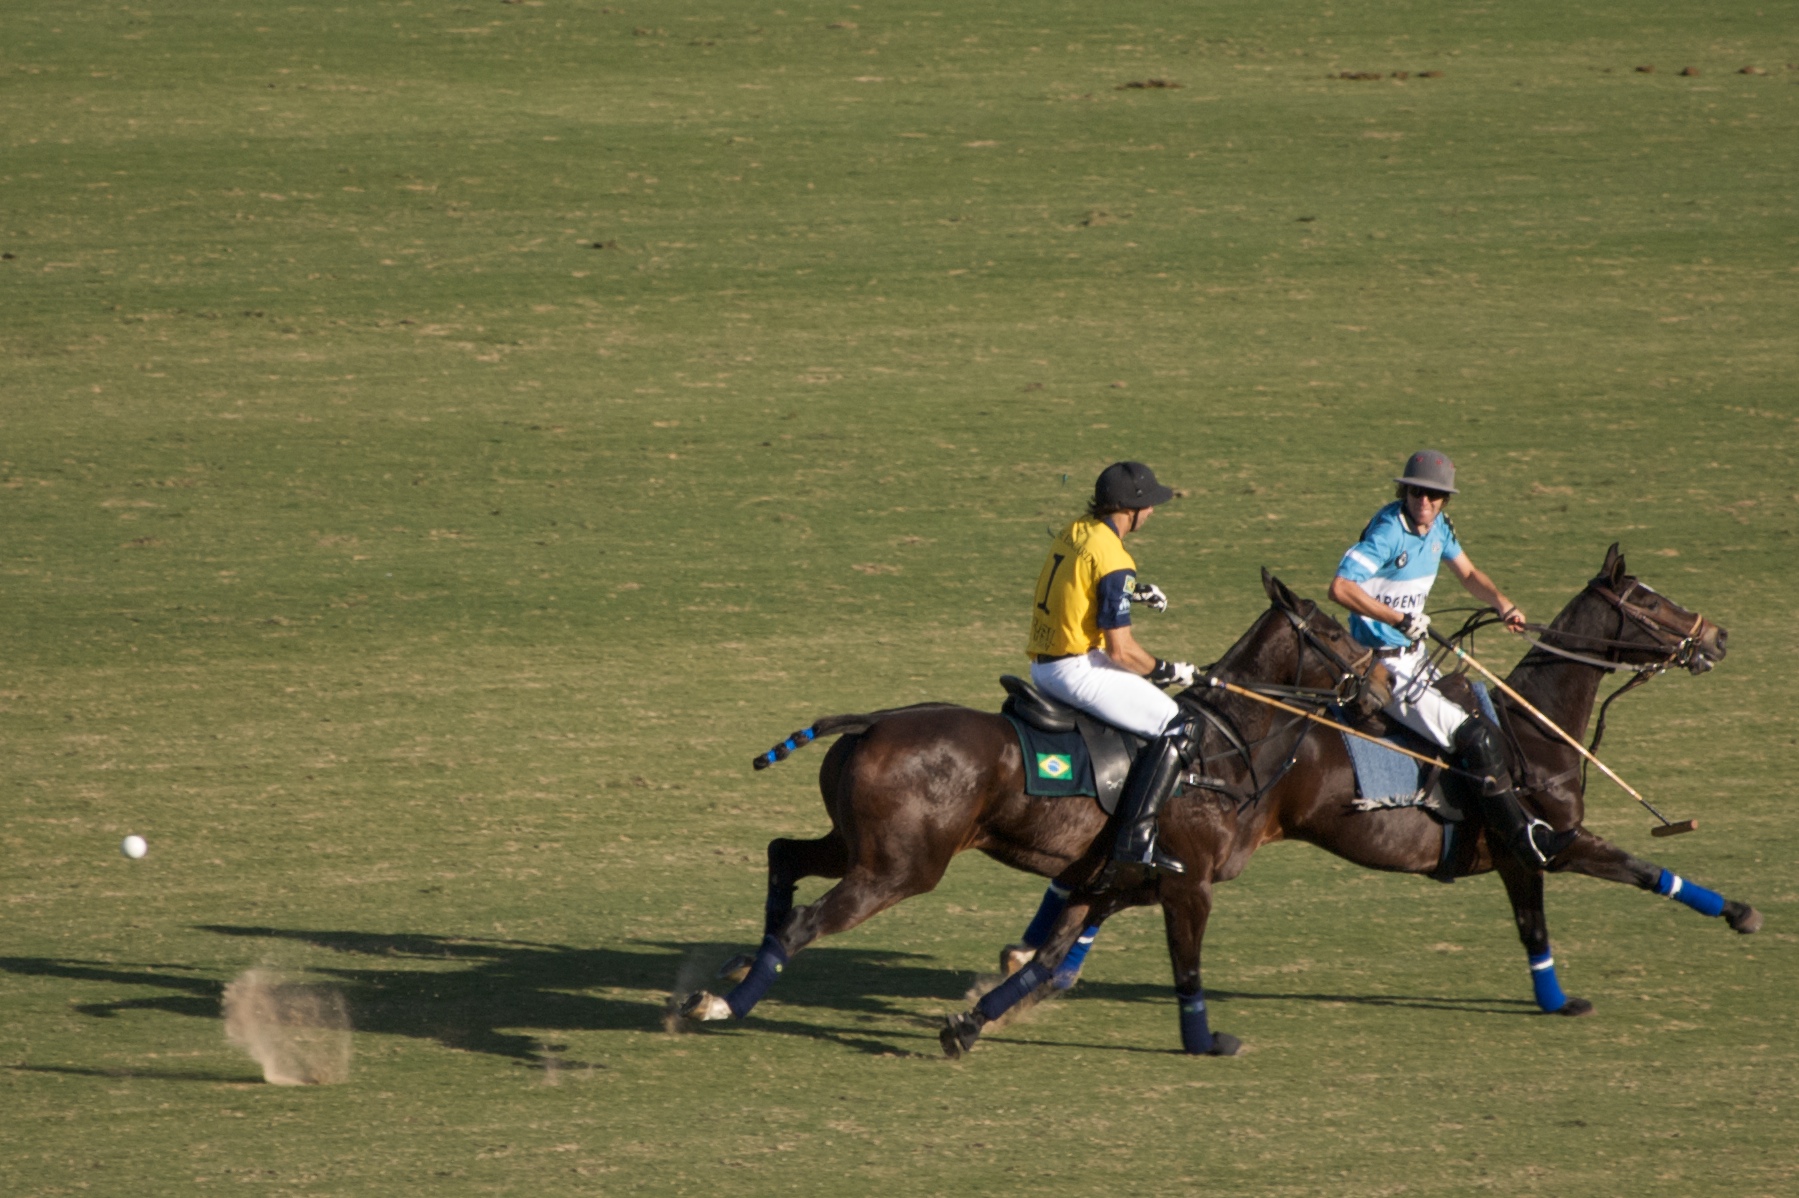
(1083, 589)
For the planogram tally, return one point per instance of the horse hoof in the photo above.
(705, 1008)
(1574, 1008)
(958, 1036)
(1015, 957)
(736, 969)
(1225, 1045)
(1742, 918)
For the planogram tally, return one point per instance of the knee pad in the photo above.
(1479, 750)
(1477, 743)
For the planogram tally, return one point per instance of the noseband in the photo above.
(1678, 645)
(1684, 643)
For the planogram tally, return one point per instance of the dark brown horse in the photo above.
(1615, 622)
(908, 789)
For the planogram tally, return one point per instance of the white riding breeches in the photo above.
(1417, 703)
(1106, 690)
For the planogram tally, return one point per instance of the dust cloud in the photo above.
(298, 1032)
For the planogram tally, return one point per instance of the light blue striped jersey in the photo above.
(1397, 566)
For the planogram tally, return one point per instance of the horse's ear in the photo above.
(1278, 594)
(1613, 571)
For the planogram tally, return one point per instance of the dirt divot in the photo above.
(699, 970)
(298, 1032)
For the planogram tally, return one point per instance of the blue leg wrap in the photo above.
(771, 958)
(1055, 900)
(1070, 969)
(1196, 1032)
(1012, 991)
(1706, 902)
(1543, 980)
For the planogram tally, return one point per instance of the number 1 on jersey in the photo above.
(1043, 603)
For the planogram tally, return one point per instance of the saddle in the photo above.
(1385, 779)
(1110, 749)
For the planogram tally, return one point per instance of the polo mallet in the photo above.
(1666, 828)
(1234, 689)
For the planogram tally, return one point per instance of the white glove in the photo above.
(1172, 673)
(1414, 626)
(1151, 594)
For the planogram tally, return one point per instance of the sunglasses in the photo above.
(1426, 493)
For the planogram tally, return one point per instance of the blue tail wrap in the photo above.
(1543, 980)
(1069, 971)
(1012, 991)
(1196, 1033)
(1706, 902)
(771, 958)
(1055, 901)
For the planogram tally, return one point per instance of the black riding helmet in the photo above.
(1127, 486)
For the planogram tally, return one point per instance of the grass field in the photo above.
(442, 442)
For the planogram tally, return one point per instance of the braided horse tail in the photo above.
(832, 725)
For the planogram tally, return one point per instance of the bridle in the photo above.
(1679, 645)
(1352, 679)
(1685, 642)
(1352, 676)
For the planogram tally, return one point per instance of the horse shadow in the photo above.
(1481, 1005)
(472, 994)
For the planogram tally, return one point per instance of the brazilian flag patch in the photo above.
(1054, 765)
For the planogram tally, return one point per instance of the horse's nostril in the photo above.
(1721, 638)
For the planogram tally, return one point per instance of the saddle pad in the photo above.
(1056, 764)
(1382, 774)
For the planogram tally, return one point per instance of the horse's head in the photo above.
(1295, 643)
(1651, 627)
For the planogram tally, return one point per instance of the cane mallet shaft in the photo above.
(1234, 689)
(1666, 828)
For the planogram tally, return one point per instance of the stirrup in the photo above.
(1547, 844)
(1128, 873)
(1163, 863)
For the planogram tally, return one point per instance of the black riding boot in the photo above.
(1477, 750)
(1135, 857)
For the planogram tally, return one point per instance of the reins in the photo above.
(1675, 652)
(1352, 678)
(1678, 653)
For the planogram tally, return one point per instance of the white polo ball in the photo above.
(134, 847)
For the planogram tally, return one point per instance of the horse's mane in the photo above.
(1232, 658)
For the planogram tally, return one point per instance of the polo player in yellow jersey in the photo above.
(1084, 653)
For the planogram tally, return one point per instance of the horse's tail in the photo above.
(836, 725)
(831, 725)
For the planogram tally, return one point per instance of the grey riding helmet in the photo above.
(1128, 486)
(1431, 470)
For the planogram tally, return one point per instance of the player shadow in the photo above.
(468, 992)
(510, 998)
(506, 998)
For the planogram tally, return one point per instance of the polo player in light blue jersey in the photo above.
(1384, 580)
